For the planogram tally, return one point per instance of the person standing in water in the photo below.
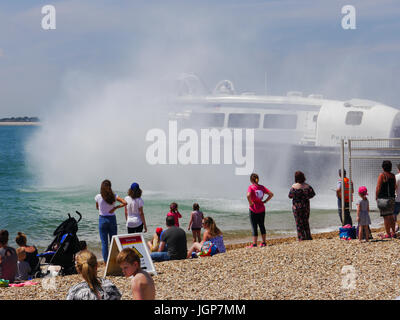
(255, 195)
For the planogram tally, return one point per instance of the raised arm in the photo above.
(270, 195)
(123, 204)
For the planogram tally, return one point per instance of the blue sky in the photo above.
(299, 44)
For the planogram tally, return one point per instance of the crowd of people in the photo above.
(171, 243)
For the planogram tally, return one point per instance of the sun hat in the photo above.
(363, 190)
(134, 186)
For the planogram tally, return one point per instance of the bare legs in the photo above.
(194, 248)
(389, 223)
(363, 231)
(196, 236)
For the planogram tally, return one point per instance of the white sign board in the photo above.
(131, 240)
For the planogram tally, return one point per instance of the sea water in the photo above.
(37, 210)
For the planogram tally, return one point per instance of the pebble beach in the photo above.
(284, 270)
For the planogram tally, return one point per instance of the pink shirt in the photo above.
(176, 215)
(256, 195)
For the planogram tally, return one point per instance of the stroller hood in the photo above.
(68, 226)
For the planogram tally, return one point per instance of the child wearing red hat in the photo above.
(155, 242)
(363, 218)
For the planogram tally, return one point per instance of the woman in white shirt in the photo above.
(105, 201)
(135, 221)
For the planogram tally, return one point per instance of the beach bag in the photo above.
(208, 249)
(347, 232)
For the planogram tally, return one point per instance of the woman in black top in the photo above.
(31, 252)
(385, 189)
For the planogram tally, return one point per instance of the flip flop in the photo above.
(254, 245)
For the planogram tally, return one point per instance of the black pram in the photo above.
(63, 248)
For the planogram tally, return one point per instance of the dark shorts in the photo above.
(136, 229)
(196, 229)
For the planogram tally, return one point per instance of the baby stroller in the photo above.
(63, 248)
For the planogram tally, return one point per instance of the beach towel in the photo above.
(23, 284)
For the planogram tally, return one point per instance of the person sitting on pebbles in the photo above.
(93, 288)
(155, 242)
(212, 235)
(142, 284)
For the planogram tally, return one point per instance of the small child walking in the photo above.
(195, 222)
(363, 218)
(173, 207)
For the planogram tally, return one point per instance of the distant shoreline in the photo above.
(20, 123)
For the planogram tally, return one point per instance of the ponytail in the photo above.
(86, 263)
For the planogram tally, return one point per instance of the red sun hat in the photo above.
(363, 190)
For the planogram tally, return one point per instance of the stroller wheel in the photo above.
(38, 274)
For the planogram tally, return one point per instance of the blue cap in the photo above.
(134, 186)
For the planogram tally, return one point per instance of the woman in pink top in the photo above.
(173, 207)
(255, 195)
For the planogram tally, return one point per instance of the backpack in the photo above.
(347, 232)
(208, 249)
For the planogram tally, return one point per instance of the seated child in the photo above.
(23, 267)
(142, 284)
(155, 243)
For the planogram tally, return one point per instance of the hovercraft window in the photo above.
(244, 120)
(280, 121)
(354, 118)
(204, 120)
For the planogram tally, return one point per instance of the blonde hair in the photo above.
(86, 265)
(128, 255)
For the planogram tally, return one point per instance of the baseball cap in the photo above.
(134, 186)
(159, 230)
